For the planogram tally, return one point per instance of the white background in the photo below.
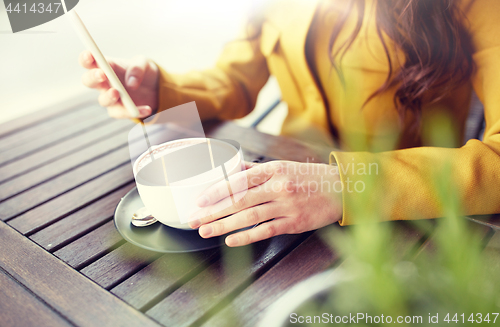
(39, 67)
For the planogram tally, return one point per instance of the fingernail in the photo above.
(202, 201)
(206, 230)
(195, 223)
(98, 76)
(144, 112)
(132, 81)
(87, 56)
(232, 240)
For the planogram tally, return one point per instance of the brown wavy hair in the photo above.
(435, 42)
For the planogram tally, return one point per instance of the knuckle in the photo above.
(290, 186)
(278, 168)
(208, 217)
(245, 238)
(242, 203)
(252, 217)
(299, 223)
(270, 230)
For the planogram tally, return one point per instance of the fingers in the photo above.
(109, 97)
(226, 207)
(86, 60)
(264, 231)
(239, 182)
(135, 73)
(95, 79)
(144, 111)
(249, 165)
(245, 218)
(118, 111)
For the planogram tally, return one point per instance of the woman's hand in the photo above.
(284, 197)
(138, 75)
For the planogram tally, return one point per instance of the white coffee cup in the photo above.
(172, 200)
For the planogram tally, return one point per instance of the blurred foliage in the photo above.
(450, 275)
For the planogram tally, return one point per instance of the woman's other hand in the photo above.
(138, 75)
(283, 197)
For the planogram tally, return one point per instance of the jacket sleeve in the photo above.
(406, 187)
(227, 91)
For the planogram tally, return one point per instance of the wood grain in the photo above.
(49, 212)
(63, 193)
(47, 128)
(429, 246)
(36, 142)
(66, 164)
(278, 147)
(57, 151)
(20, 308)
(492, 252)
(72, 295)
(18, 125)
(42, 193)
(118, 265)
(221, 281)
(91, 246)
(162, 277)
(307, 259)
(80, 222)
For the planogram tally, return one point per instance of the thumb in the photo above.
(135, 73)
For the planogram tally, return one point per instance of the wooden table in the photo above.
(62, 262)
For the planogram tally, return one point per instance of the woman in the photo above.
(365, 74)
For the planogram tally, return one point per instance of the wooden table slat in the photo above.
(494, 242)
(25, 201)
(118, 265)
(72, 295)
(307, 259)
(47, 128)
(281, 147)
(21, 308)
(18, 125)
(162, 277)
(91, 119)
(492, 252)
(81, 222)
(208, 289)
(65, 204)
(91, 246)
(490, 221)
(64, 165)
(482, 231)
(59, 150)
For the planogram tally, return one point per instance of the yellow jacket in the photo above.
(405, 188)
